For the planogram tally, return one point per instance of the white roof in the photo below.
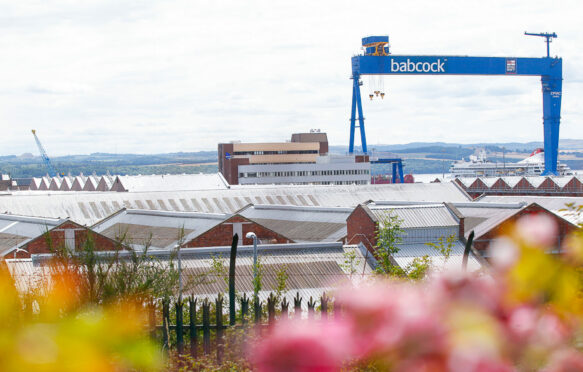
(90, 207)
(408, 252)
(17, 230)
(416, 216)
(555, 204)
(299, 223)
(312, 268)
(173, 182)
(161, 229)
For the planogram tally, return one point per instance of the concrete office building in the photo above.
(305, 160)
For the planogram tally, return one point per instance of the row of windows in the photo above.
(360, 182)
(338, 172)
(279, 152)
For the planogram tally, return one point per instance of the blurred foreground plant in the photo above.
(62, 336)
(524, 314)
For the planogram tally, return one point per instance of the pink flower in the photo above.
(302, 345)
(457, 287)
(521, 323)
(476, 362)
(504, 253)
(389, 317)
(537, 229)
(566, 360)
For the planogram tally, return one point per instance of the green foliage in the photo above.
(281, 277)
(350, 263)
(218, 269)
(257, 281)
(418, 269)
(100, 164)
(444, 245)
(106, 277)
(388, 236)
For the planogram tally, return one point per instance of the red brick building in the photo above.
(493, 227)
(222, 234)
(68, 234)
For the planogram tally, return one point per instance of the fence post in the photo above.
(192, 323)
(232, 266)
(284, 308)
(179, 326)
(152, 318)
(219, 319)
(271, 300)
(165, 323)
(206, 326)
(324, 301)
(311, 307)
(257, 309)
(297, 305)
(244, 308)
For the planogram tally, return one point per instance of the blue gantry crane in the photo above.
(376, 60)
(50, 169)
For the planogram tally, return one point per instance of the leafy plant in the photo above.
(351, 261)
(388, 236)
(281, 277)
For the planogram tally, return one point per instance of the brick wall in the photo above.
(361, 228)
(222, 234)
(481, 243)
(56, 236)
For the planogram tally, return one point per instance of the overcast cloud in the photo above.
(166, 76)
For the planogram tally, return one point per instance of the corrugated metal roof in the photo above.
(89, 207)
(173, 182)
(16, 230)
(301, 224)
(419, 216)
(408, 253)
(159, 229)
(553, 203)
(492, 222)
(311, 269)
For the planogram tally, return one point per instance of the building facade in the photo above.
(304, 160)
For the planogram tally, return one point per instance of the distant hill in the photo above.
(564, 144)
(419, 157)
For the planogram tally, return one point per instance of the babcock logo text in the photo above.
(409, 66)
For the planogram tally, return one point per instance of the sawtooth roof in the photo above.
(90, 207)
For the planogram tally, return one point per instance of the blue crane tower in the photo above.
(50, 169)
(376, 60)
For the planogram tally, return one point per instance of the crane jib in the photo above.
(456, 65)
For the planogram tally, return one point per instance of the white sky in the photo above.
(165, 76)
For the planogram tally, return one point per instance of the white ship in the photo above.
(480, 166)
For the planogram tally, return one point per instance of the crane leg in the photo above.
(552, 91)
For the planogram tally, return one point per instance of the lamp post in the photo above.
(179, 273)
(251, 235)
(19, 250)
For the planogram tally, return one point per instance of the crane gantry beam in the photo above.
(377, 60)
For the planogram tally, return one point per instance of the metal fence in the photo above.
(189, 329)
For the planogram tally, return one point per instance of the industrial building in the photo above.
(304, 160)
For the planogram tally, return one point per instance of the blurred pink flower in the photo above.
(565, 360)
(388, 317)
(476, 362)
(453, 288)
(550, 331)
(537, 229)
(304, 345)
(503, 252)
(521, 323)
